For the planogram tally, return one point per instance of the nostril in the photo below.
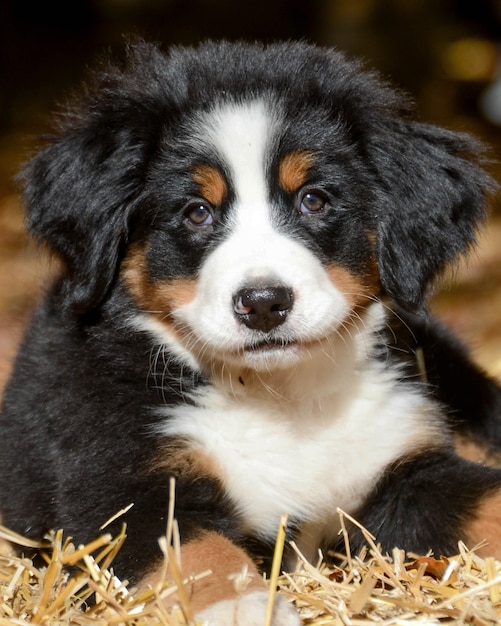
(263, 308)
(239, 306)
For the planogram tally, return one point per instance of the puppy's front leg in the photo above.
(234, 594)
(432, 501)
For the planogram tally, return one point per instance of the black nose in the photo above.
(263, 308)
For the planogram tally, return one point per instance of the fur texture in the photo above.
(248, 236)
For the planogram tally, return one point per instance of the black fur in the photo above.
(471, 399)
(78, 426)
(406, 508)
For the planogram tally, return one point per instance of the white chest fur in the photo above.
(305, 457)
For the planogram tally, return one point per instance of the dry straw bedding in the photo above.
(370, 587)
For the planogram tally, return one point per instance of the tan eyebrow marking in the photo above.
(212, 183)
(293, 169)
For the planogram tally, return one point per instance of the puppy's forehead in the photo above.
(242, 134)
(245, 136)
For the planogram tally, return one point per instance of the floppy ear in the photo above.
(82, 189)
(434, 200)
(79, 194)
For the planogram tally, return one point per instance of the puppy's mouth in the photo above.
(268, 344)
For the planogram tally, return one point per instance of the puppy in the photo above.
(237, 225)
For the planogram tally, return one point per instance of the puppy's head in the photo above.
(253, 201)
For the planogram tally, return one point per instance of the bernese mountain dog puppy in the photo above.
(248, 235)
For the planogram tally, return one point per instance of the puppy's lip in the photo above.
(270, 343)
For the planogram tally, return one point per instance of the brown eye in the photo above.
(312, 203)
(200, 215)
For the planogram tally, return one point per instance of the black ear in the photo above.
(434, 200)
(79, 192)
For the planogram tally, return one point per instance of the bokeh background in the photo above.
(445, 53)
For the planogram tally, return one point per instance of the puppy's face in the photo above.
(252, 200)
(261, 250)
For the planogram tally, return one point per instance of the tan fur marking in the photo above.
(352, 286)
(157, 298)
(133, 272)
(211, 182)
(174, 293)
(487, 527)
(372, 269)
(293, 170)
(183, 459)
(477, 451)
(224, 559)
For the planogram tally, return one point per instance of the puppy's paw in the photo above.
(249, 610)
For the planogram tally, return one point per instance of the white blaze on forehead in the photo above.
(243, 135)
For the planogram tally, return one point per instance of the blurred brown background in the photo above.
(446, 53)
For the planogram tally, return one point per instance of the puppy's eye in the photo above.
(312, 203)
(199, 215)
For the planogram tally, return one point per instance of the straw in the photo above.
(366, 588)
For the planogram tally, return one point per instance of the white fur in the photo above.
(302, 429)
(249, 610)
